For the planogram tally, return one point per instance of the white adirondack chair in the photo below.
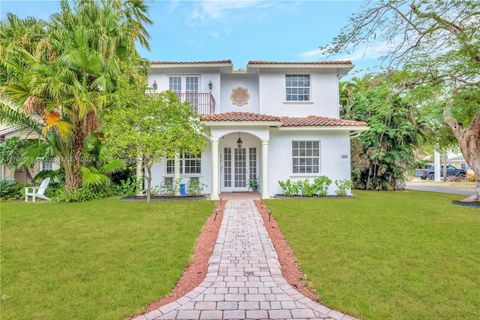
(37, 192)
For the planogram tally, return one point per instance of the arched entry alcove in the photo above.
(235, 166)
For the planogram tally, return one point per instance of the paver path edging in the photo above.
(244, 279)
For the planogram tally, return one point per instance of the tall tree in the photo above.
(382, 155)
(439, 43)
(155, 126)
(58, 75)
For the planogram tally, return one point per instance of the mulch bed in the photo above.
(471, 204)
(288, 262)
(296, 196)
(163, 198)
(196, 271)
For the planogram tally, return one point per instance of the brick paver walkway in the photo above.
(244, 280)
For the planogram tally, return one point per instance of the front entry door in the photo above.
(239, 167)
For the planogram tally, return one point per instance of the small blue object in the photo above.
(183, 190)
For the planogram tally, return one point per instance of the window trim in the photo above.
(183, 81)
(309, 101)
(306, 174)
(43, 162)
(182, 159)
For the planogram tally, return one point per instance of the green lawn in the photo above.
(104, 259)
(388, 255)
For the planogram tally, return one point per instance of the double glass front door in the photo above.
(239, 167)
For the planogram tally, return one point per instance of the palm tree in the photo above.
(61, 74)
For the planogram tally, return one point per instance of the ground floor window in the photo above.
(305, 156)
(46, 165)
(189, 164)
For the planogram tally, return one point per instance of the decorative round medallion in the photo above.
(239, 96)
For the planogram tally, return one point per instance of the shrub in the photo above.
(10, 189)
(342, 187)
(195, 187)
(321, 185)
(286, 187)
(290, 188)
(253, 184)
(297, 187)
(127, 187)
(471, 176)
(308, 189)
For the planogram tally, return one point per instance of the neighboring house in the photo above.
(272, 121)
(7, 132)
(458, 162)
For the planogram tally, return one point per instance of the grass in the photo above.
(103, 259)
(388, 255)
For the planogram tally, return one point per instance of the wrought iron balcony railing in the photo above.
(203, 103)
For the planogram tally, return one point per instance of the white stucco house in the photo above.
(270, 121)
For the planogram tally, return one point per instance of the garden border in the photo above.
(291, 271)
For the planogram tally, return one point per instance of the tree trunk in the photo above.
(73, 177)
(139, 174)
(444, 169)
(149, 180)
(469, 142)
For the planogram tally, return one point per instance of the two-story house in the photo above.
(271, 121)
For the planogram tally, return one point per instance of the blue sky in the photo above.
(239, 30)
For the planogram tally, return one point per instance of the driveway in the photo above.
(461, 189)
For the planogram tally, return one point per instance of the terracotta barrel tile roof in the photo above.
(193, 62)
(317, 121)
(239, 116)
(300, 63)
(310, 121)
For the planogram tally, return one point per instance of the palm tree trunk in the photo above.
(73, 177)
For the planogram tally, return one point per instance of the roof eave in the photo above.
(324, 128)
(242, 123)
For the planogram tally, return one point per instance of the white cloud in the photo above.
(366, 52)
(206, 11)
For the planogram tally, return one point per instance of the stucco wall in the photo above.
(323, 95)
(231, 81)
(159, 172)
(333, 145)
(267, 91)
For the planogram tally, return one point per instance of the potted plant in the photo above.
(253, 184)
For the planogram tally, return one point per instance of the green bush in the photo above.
(10, 189)
(308, 189)
(342, 187)
(290, 188)
(321, 185)
(128, 187)
(195, 187)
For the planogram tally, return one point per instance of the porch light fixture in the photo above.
(210, 85)
(155, 85)
(239, 141)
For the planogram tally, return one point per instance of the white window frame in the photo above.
(291, 97)
(184, 160)
(183, 82)
(312, 155)
(45, 164)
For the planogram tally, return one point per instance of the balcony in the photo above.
(202, 103)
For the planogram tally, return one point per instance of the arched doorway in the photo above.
(239, 162)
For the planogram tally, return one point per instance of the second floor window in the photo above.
(298, 87)
(175, 84)
(183, 84)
